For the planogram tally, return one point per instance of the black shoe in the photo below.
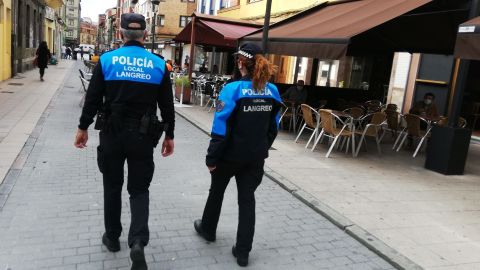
(112, 245)
(242, 260)
(138, 257)
(198, 227)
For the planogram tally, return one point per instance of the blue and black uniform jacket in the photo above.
(245, 123)
(130, 81)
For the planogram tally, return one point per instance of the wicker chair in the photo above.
(329, 129)
(414, 130)
(355, 112)
(372, 129)
(462, 122)
(311, 120)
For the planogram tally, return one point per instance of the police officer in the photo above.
(126, 87)
(244, 128)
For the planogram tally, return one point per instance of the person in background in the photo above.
(169, 65)
(68, 51)
(185, 67)
(43, 56)
(296, 93)
(81, 53)
(426, 107)
(64, 52)
(203, 69)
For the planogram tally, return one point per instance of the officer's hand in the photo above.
(81, 139)
(167, 147)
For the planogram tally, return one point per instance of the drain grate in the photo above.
(6, 92)
(16, 84)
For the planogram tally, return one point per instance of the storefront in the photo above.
(213, 38)
(350, 45)
(468, 49)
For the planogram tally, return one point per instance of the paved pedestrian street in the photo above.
(53, 216)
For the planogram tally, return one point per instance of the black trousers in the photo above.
(248, 177)
(137, 150)
(42, 72)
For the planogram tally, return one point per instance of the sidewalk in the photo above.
(432, 219)
(53, 218)
(22, 101)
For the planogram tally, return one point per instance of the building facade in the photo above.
(28, 24)
(73, 16)
(5, 39)
(172, 17)
(88, 32)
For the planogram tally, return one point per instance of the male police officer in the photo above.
(126, 87)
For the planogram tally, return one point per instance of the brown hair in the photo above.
(261, 71)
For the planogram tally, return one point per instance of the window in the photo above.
(184, 20)
(229, 3)
(71, 22)
(161, 20)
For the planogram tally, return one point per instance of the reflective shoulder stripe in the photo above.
(133, 63)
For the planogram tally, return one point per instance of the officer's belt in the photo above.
(131, 123)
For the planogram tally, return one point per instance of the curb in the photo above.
(374, 244)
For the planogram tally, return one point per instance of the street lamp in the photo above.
(154, 4)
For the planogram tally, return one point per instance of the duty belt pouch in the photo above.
(100, 158)
(100, 121)
(156, 129)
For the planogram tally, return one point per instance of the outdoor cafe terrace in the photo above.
(430, 218)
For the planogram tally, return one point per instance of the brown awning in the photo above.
(468, 40)
(326, 30)
(216, 31)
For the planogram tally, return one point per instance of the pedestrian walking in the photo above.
(133, 82)
(81, 53)
(64, 52)
(69, 52)
(43, 55)
(244, 128)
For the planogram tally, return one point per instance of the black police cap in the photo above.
(249, 50)
(133, 21)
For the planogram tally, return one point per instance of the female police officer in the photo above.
(244, 128)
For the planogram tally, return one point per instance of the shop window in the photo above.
(328, 73)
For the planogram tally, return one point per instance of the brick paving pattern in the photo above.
(53, 217)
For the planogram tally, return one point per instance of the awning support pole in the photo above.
(214, 49)
(192, 49)
(266, 25)
(462, 77)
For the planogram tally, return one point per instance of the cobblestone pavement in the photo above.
(53, 217)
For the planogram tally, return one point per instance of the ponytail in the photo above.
(262, 72)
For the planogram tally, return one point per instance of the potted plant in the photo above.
(182, 82)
